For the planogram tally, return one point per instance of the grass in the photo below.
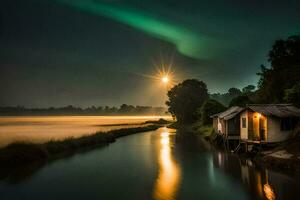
(24, 153)
(160, 121)
(292, 147)
(205, 131)
(195, 128)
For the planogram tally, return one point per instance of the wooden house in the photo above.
(227, 123)
(268, 123)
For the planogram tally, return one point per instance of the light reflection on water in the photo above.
(260, 182)
(269, 192)
(157, 165)
(168, 179)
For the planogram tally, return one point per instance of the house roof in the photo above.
(278, 110)
(215, 115)
(229, 113)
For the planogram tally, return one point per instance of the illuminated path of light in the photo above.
(168, 180)
(187, 42)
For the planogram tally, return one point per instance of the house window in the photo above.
(287, 124)
(244, 125)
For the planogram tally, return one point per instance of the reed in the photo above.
(23, 153)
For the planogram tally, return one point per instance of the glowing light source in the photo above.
(165, 79)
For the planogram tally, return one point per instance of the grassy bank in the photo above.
(194, 128)
(24, 153)
(161, 121)
(285, 156)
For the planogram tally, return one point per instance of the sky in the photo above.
(106, 52)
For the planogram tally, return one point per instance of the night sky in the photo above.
(92, 52)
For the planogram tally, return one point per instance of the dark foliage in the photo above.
(209, 108)
(284, 72)
(241, 101)
(185, 98)
(226, 97)
(293, 95)
(248, 89)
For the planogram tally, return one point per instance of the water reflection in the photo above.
(166, 185)
(153, 166)
(269, 192)
(260, 182)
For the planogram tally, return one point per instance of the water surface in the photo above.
(153, 165)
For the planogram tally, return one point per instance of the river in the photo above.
(157, 165)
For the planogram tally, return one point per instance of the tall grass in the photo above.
(23, 153)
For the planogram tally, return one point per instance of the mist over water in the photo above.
(38, 129)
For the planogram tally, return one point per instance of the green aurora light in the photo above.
(188, 43)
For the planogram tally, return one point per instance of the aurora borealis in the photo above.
(187, 42)
(100, 52)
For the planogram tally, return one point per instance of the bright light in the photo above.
(164, 134)
(269, 192)
(165, 79)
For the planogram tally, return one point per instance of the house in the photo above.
(268, 123)
(227, 123)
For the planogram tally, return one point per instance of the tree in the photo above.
(225, 98)
(292, 95)
(185, 98)
(285, 53)
(284, 71)
(209, 108)
(234, 92)
(126, 109)
(240, 101)
(248, 89)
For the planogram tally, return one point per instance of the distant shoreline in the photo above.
(124, 110)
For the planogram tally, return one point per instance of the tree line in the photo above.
(124, 109)
(232, 93)
(189, 101)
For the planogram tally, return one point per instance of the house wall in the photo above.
(250, 124)
(215, 124)
(275, 134)
(256, 126)
(221, 126)
(263, 128)
(244, 131)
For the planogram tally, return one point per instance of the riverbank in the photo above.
(24, 153)
(196, 129)
(285, 156)
(282, 157)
